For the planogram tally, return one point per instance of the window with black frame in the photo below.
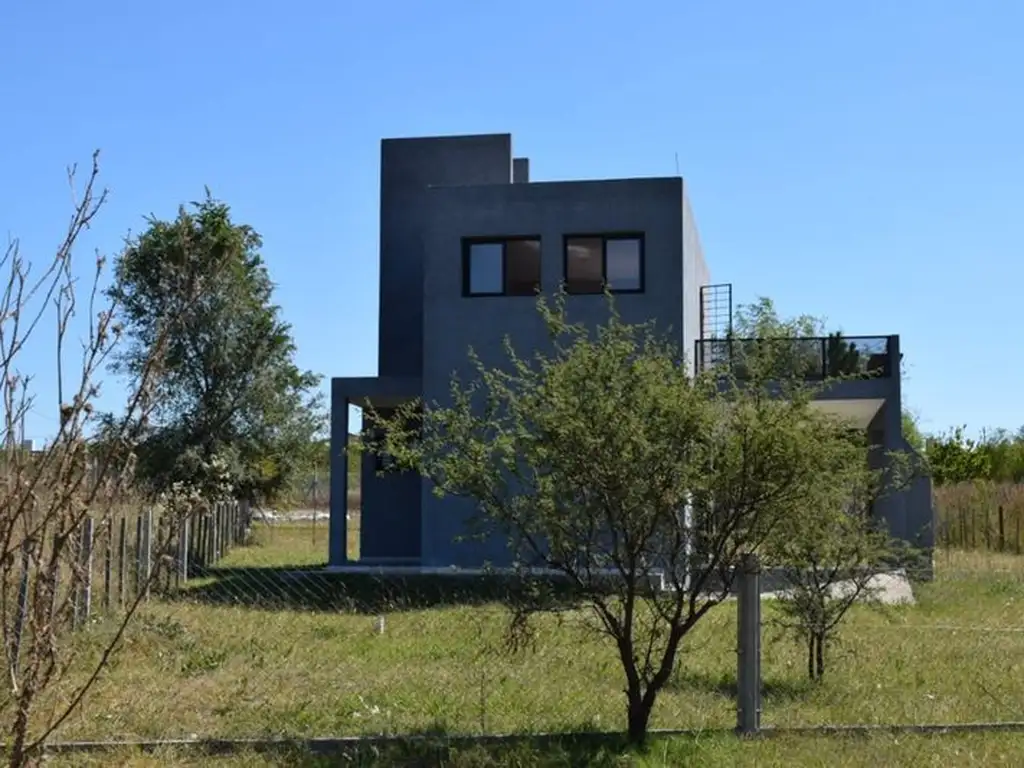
(593, 262)
(501, 266)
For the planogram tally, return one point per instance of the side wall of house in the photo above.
(452, 324)
(407, 168)
(695, 276)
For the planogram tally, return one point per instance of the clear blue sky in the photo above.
(857, 160)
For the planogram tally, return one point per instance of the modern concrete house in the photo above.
(466, 239)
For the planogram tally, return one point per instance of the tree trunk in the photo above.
(820, 655)
(19, 734)
(815, 656)
(638, 714)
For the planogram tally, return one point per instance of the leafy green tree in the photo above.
(955, 458)
(912, 432)
(1005, 454)
(793, 346)
(761, 320)
(587, 457)
(842, 358)
(830, 549)
(235, 410)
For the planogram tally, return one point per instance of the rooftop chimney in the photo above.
(520, 170)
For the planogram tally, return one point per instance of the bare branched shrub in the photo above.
(47, 496)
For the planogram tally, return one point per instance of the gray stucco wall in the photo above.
(407, 168)
(452, 324)
(695, 275)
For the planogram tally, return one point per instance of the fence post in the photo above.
(211, 536)
(183, 539)
(167, 546)
(206, 540)
(147, 550)
(243, 520)
(83, 605)
(218, 545)
(122, 566)
(108, 557)
(748, 647)
(161, 541)
(138, 555)
(1002, 530)
(22, 616)
(199, 554)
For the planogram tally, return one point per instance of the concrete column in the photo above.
(338, 525)
(892, 428)
(748, 646)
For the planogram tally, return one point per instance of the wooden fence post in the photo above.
(245, 515)
(167, 547)
(1002, 530)
(122, 565)
(208, 534)
(22, 615)
(216, 531)
(218, 508)
(83, 605)
(193, 543)
(138, 555)
(183, 538)
(215, 534)
(159, 538)
(145, 551)
(107, 562)
(1020, 512)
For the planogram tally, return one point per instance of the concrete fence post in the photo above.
(748, 646)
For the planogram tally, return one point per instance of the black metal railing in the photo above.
(811, 358)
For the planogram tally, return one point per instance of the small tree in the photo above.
(602, 460)
(830, 550)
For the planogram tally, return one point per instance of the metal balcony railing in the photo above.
(809, 358)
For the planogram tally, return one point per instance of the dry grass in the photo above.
(232, 662)
(981, 515)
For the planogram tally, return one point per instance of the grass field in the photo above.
(255, 650)
(783, 752)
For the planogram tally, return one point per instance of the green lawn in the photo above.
(996, 749)
(233, 661)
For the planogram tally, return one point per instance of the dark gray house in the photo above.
(465, 241)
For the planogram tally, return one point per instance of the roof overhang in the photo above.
(858, 412)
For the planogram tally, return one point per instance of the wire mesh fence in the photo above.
(262, 641)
